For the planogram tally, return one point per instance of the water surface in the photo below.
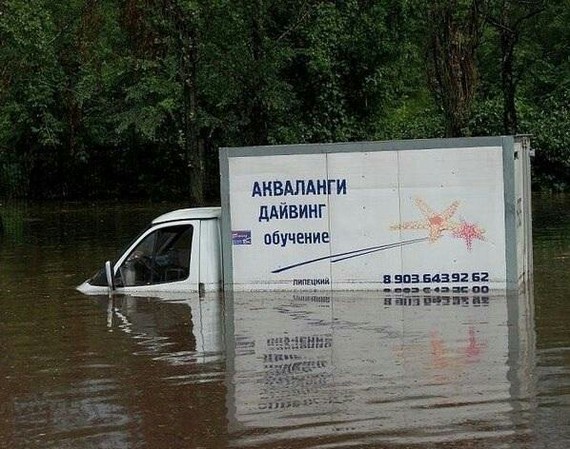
(281, 370)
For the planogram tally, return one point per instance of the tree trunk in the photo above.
(453, 45)
(508, 42)
(258, 118)
(509, 20)
(194, 148)
(187, 42)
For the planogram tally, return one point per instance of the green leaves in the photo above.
(30, 74)
(93, 95)
(150, 101)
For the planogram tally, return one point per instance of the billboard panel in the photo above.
(423, 219)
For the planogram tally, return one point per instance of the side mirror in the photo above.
(109, 276)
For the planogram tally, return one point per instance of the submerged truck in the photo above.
(429, 216)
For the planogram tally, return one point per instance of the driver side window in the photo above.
(162, 256)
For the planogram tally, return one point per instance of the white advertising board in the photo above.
(360, 218)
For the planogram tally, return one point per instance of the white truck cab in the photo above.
(179, 252)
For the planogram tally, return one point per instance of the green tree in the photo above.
(455, 29)
(103, 98)
(544, 96)
(510, 19)
(30, 130)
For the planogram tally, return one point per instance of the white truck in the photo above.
(433, 215)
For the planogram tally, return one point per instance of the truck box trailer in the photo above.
(430, 215)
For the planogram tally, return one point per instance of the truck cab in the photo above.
(178, 252)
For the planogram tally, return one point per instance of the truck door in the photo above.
(164, 258)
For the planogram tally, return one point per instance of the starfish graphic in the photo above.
(434, 222)
(468, 232)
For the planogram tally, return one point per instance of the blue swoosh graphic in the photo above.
(355, 253)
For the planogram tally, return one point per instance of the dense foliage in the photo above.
(132, 98)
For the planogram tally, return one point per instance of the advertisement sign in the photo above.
(417, 220)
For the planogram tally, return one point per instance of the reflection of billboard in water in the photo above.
(404, 368)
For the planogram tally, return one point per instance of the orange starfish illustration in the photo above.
(434, 222)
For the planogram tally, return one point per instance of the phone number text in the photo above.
(429, 278)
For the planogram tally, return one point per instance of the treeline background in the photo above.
(130, 99)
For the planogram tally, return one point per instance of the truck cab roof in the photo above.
(201, 213)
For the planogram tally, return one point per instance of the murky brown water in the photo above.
(269, 371)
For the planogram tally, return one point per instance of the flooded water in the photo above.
(271, 370)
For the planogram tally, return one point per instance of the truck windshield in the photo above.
(162, 256)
